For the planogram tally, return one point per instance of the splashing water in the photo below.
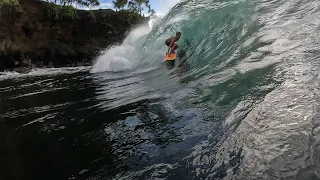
(231, 47)
(122, 57)
(243, 102)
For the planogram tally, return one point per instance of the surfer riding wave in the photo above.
(171, 43)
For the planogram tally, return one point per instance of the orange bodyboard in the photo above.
(171, 57)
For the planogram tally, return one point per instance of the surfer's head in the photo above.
(178, 35)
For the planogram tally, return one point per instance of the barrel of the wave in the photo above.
(170, 59)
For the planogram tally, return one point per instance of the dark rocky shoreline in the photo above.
(33, 39)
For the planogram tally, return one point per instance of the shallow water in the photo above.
(242, 102)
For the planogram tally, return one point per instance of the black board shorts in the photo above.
(167, 43)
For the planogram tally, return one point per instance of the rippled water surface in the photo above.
(241, 102)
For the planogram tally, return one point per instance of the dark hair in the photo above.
(178, 33)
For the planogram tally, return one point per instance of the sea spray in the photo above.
(121, 58)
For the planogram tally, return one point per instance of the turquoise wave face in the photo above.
(212, 32)
(241, 102)
(252, 66)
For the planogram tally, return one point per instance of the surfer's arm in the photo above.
(173, 40)
(169, 49)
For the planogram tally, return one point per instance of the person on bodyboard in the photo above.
(171, 43)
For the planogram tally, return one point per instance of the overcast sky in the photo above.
(160, 6)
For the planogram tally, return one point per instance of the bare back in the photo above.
(174, 38)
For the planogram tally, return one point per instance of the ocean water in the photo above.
(241, 102)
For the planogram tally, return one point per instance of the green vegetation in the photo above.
(137, 6)
(57, 12)
(89, 3)
(8, 3)
(6, 6)
(64, 10)
(133, 5)
(120, 4)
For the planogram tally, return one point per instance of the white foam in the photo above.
(8, 75)
(43, 72)
(123, 57)
(52, 71)
(114, 59)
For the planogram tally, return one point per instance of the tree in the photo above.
(78, 2)
(120, 4)
(8, 3)
(152, 12)
(61, 2)
(90, 3)
(133, 5)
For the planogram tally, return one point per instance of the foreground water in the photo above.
(242, 104)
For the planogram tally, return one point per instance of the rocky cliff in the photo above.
(30, 37)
